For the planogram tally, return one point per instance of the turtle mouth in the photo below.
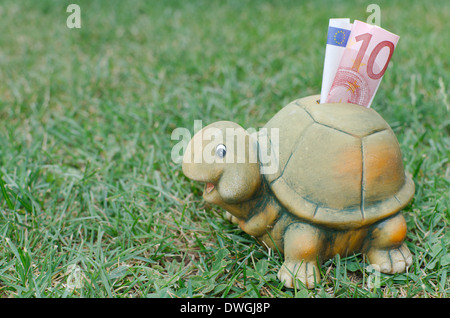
(209, 187)
(210, 193)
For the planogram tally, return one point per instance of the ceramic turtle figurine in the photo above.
(338, 187)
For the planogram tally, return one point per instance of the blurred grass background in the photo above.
(91, 203)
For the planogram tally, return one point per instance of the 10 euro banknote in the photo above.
(363, 63)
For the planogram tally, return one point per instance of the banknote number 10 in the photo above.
(366, 37)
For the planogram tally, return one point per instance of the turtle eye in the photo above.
(221, 150)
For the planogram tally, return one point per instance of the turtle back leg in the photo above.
(301, 251)
(386, 247)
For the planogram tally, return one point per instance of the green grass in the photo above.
(86, 116)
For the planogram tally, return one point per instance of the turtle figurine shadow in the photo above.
(316, 181)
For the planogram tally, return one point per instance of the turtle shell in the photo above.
(338, 164)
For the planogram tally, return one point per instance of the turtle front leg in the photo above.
(301, 251)
(230, 217)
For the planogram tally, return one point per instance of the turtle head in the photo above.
(223, 155)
